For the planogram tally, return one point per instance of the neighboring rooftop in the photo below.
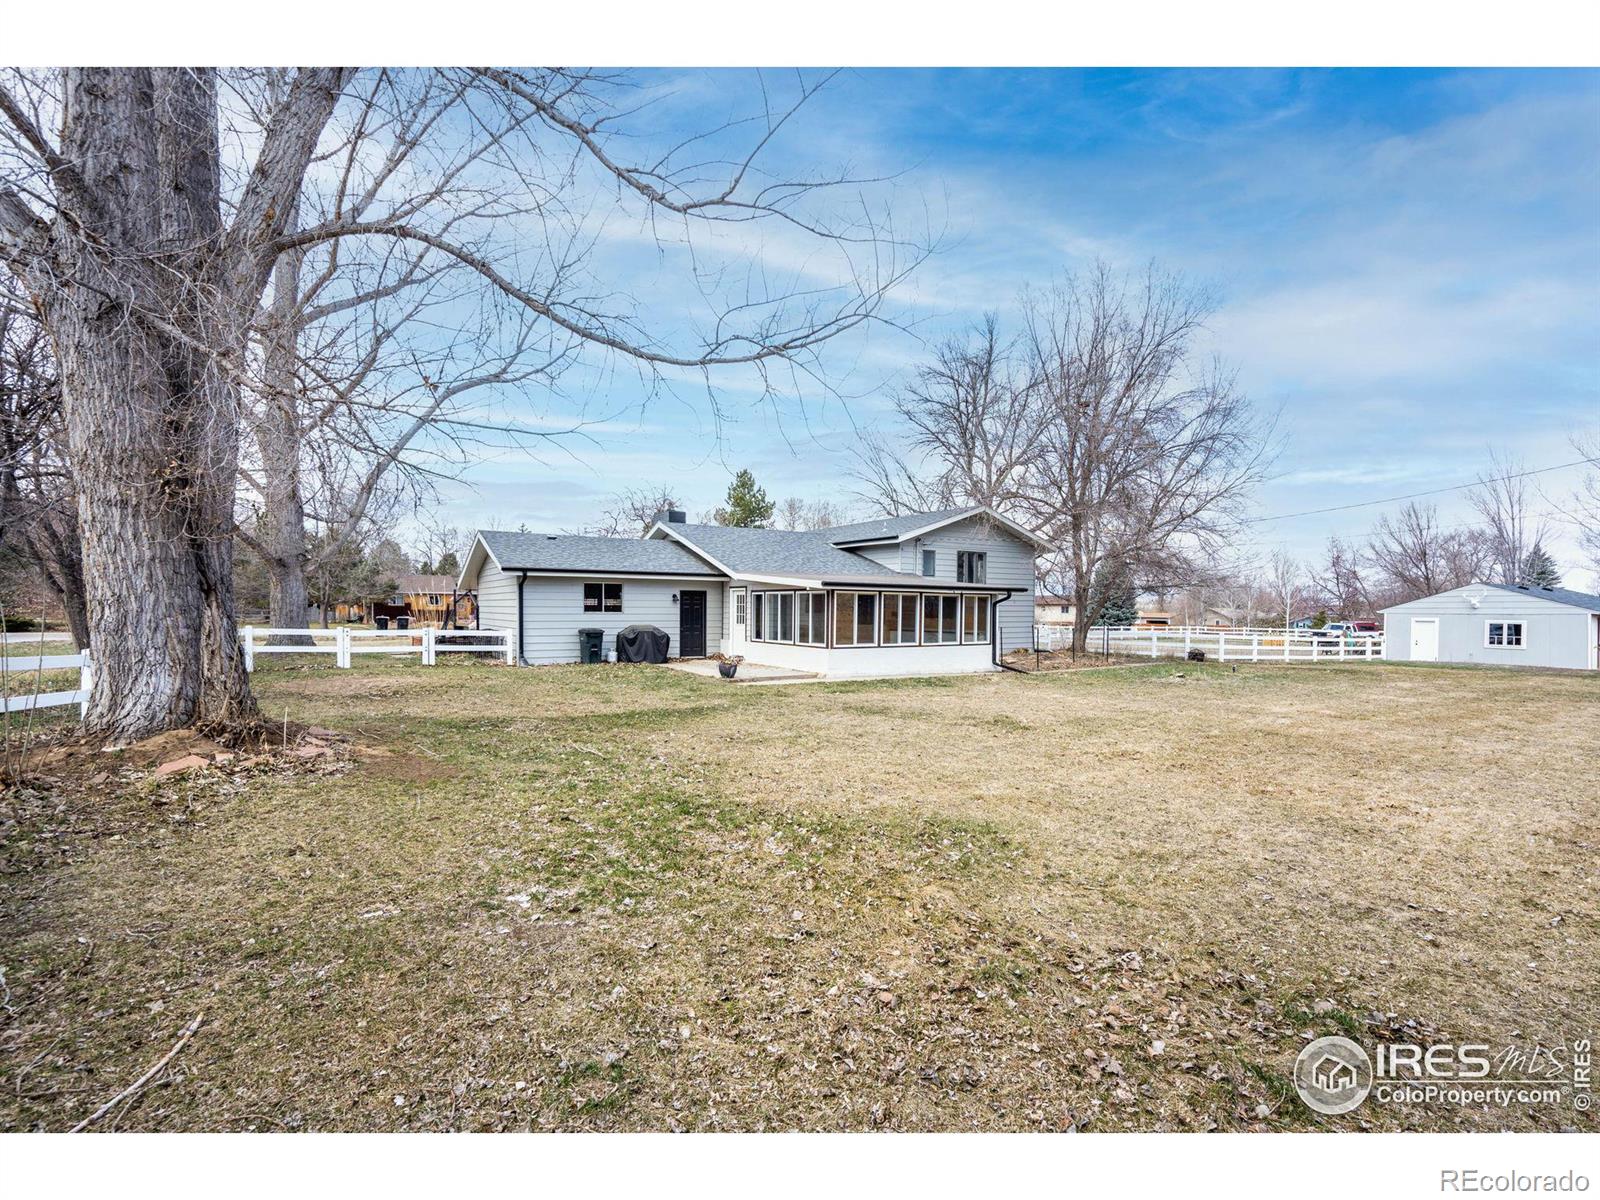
(571, 552)
(409, 585)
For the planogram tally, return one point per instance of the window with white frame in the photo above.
(941, 620)
(899, 619)
(1507, 634)
(855, 619)
(739, 602)
(811, 618)
(975, 618)
(778, 613)
(971, 566)
(930, 563)
(756, 633)
(602, 597)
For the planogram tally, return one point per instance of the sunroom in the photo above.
(845, 628)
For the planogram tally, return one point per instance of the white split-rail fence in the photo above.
(19, 667)
(344, 643)
(1223, 645)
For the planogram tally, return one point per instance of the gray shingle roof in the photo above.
(563, 552)
(893, 527)
(1559, 595)
(780, 552)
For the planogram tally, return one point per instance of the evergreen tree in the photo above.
(748, 505)
(1120, 603)
(448, 564)
(1539, 569)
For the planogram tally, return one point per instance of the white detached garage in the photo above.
(1497, 624)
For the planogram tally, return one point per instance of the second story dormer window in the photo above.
(971, 566)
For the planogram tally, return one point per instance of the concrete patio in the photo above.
(749, 672)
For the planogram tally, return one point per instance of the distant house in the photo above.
(421, 599)
(917, 594)
(430, 600)
(1497, 623)
(1053, 610)
(1060, 610)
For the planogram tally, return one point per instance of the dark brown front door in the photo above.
(691, 624)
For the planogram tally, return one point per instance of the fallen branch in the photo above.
(134, 1087)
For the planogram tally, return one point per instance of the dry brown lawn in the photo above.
(625, 898)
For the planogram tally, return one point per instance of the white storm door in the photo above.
(1424, 639)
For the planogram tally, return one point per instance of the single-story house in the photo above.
(1060, 610)
(916, 594)
(1497, 623)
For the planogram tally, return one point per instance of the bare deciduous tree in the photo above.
(795, 513)
(147, 237)
(1511, 528)
(1415, 557)
(38, 504)
(629, 513)
(1286, 581)
(1341, 585)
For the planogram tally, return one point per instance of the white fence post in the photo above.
(1341, 646)
(85, 682)
(1152, 643)
(249, 635)
(428, 659)
(1222, 646)
(511, 648)
(1255, 647)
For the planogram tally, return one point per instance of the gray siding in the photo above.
(497, 598)
(1010, 564)
(1554, 635)
(553, 613)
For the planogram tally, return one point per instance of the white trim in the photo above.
(1522, 634)
(855, 619)
(602, 583)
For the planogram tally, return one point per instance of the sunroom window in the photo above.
(940, 619)
(855, 619)
(899, 619)
(975, 618)
(811, 619)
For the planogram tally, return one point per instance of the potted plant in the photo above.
(727, 664)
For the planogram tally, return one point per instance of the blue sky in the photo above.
(1408, 264)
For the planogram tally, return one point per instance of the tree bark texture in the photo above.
(147, 294)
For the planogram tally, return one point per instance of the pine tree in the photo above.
(1539, 569)
(1120, 606)
(748, 505)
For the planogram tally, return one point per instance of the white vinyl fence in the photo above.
(23, 667)
(1223, 645)
(344, 643)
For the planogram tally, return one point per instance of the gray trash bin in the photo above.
(589, 645)
(381, 622)
(402, 622)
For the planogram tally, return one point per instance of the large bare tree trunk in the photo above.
(151, 419)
